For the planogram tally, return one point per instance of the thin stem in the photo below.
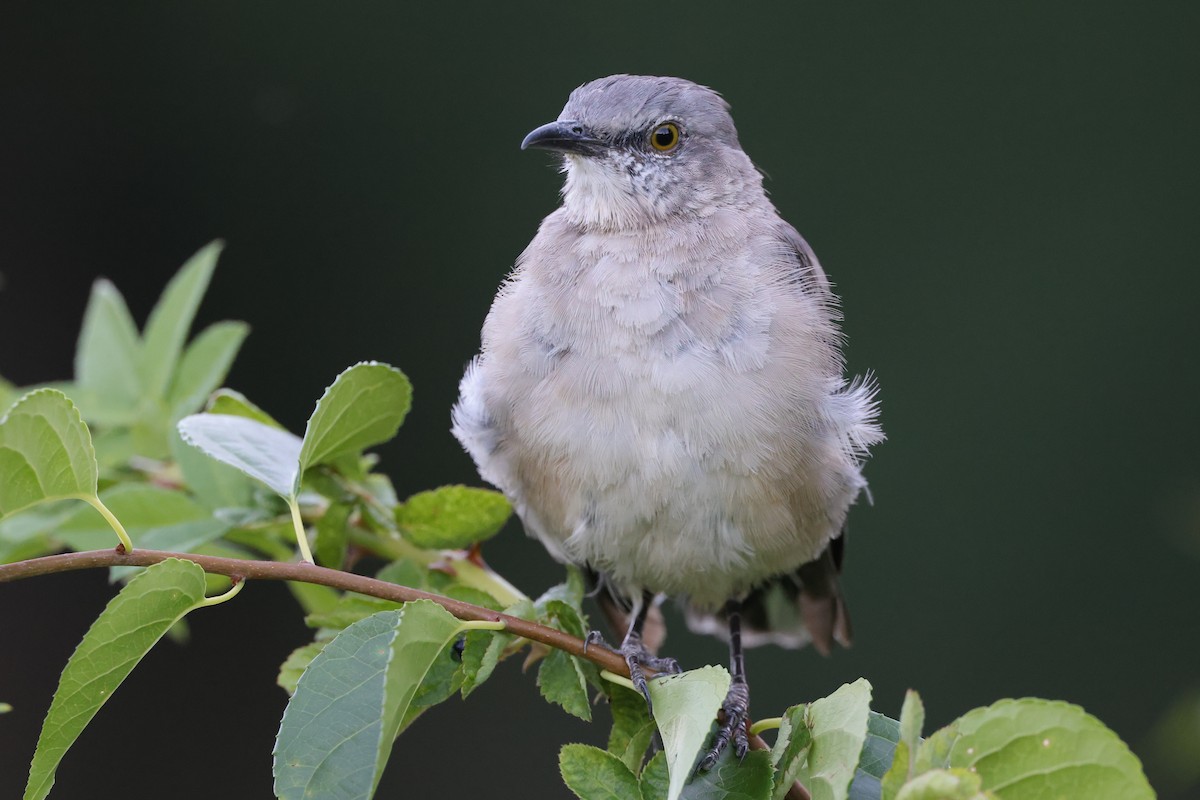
(618, 679)
(481, 625)
(301, 535)
(311, 573)
(96, 503)
(228, 594)
(769, 724)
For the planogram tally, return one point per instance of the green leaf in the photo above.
(558, 614)
(570, 591)
(593, 774)
(349, 609)
(469, 594)
(481, 654)
(839, 729)
(338, 729)
(235, 404)
(562, 681)
(261, 451)
(204, 366)
(295, 664)
(45, 452)
(106, 359)
(442, 680)
(655, 781)
(878, 751)
(215, 484)
(1032, 749)
(946, 784)
(452, 517)
(124, 632)
(363, 407)
(35, 523)
(171, 318)
(934, 752)
(912, 721)
(685, 706)
(405, 572)
(8, 395)
(791, 749)
(731, 779)
(333, 535)
(632, 728)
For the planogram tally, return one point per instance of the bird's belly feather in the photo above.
(671, 472)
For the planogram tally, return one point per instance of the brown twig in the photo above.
(311, 573)
(242, 569)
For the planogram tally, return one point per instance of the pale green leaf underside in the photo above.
(261, 451)
(45, 452)
(337, 731)
(124, 632)
(684, 707)
(839, 729)
(214, 483)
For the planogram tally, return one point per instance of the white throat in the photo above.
(608, 196)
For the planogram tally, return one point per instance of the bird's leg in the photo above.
(736, 707)
(634, 651)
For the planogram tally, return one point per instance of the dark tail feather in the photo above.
(791, 610)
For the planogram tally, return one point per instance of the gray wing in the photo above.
(808, 268)
(804, 606)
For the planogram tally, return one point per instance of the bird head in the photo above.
(640, 150)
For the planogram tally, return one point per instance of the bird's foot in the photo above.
(735, 712)
(638, 659)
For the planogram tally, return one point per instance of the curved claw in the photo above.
(735, 711)
(637, 659)
(596, 637)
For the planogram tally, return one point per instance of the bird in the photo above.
(660, 387)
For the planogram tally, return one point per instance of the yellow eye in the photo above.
(665, 138)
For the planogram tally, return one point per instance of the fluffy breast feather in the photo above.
(678, 422)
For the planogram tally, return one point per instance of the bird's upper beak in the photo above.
(564, 137)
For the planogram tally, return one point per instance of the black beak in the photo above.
(564, 137)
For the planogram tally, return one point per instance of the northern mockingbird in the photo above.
(660, 390)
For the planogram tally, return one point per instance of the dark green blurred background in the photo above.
(1005, 194)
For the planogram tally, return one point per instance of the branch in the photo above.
(310, 573)
(244, 569)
